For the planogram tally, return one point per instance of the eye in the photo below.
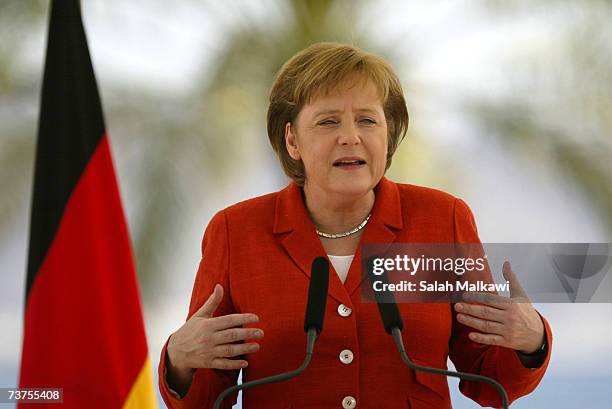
(327, 122)
(367, 121)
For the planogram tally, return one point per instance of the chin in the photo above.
(354, 186)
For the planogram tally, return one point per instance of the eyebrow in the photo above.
(337, 111)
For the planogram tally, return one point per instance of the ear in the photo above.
(291, 142)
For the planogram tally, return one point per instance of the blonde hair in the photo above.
(319, 69)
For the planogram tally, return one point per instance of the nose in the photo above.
(349, 134)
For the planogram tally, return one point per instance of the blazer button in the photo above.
(349, 402)
(346, 356)
(344, 311)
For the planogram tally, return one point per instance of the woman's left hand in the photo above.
(508, 322)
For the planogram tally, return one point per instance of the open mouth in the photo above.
(349, 163)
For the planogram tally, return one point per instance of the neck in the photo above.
(337, 213)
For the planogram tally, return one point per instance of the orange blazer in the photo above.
(261, 251)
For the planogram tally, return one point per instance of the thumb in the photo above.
(516, 290)
(207, 310)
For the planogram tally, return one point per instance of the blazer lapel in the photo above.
(381, 229)
(301, 241)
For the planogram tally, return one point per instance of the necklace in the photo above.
(348, 233)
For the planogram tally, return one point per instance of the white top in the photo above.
(341, 265)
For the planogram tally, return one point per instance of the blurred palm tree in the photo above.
(17, 112)
(559, 112)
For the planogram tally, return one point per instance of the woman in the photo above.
(336, 116)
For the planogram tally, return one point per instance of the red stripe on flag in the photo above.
(83, 325)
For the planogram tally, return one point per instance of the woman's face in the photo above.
(341, 138)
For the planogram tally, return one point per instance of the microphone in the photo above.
(392, 321)
(317, 295)
(313, 325)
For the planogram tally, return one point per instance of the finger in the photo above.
(229, 364)
(492, 300)
(489, 339)
(516, 290)
(236, 334)
(231, 350)
(232, 320)
(208, 309)
(486, 326)
(480, 311)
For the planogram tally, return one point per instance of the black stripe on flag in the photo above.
(71, 125)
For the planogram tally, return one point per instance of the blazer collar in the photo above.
(303, 245)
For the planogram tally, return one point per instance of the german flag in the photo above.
(83, 329)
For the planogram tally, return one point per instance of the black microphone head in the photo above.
(387, 306)
(317, 294)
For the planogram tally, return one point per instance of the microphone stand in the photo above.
(399, 343)
(310, 341)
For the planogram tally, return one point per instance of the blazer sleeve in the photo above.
(500, 363)
(206, 384)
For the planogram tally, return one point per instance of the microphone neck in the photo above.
(311, 337)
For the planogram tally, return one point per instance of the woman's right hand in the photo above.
(207, 342)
